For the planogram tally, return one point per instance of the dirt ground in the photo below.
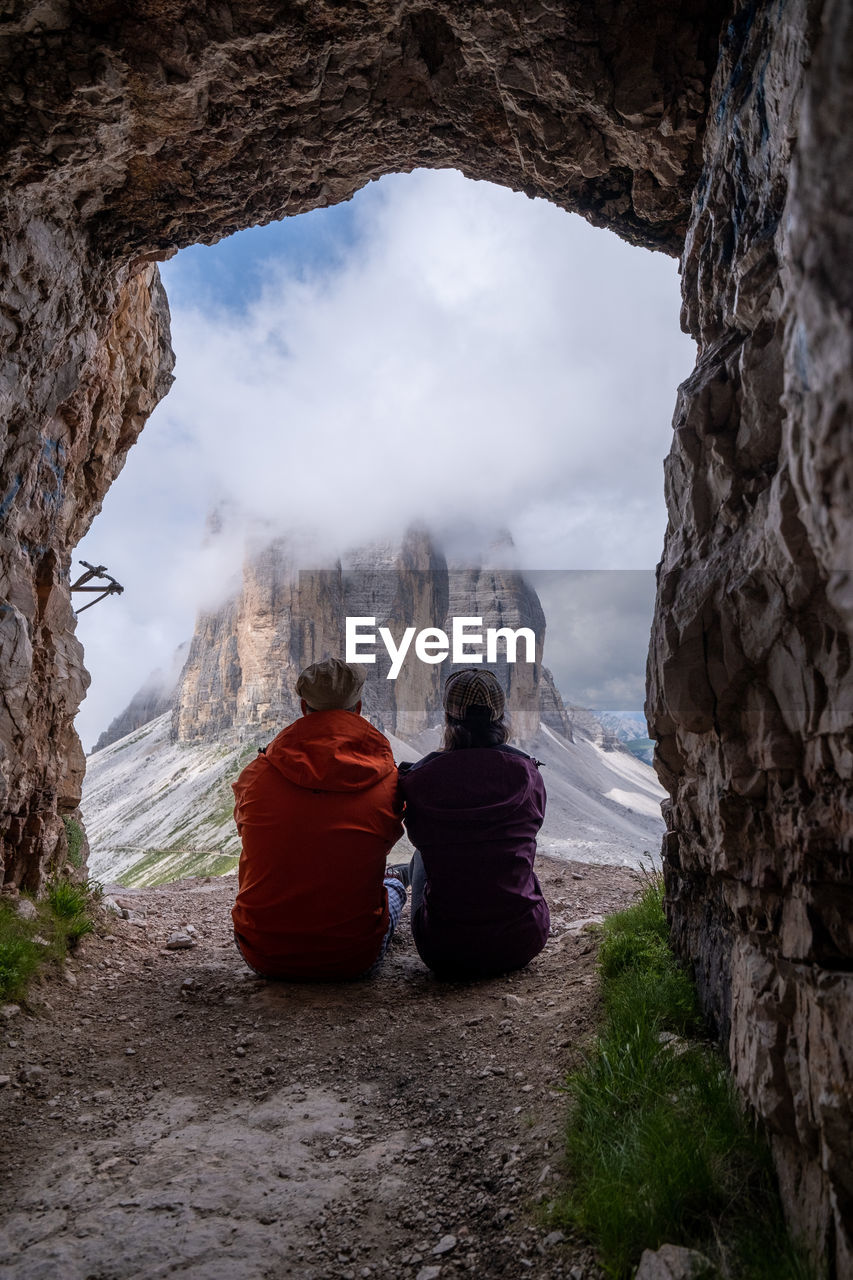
(167, 1113)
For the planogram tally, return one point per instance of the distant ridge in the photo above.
(154, 697)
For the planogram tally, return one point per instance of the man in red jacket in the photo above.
(317, 811)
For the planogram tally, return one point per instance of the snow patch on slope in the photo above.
(584, 819)
(635, 802)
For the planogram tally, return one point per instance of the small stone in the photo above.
(428, 1273)
(190, 928)
(180, 942)
(582, 923)
(130, 1053)
(26, 909)
(4, 1080)
(552, 1238)
(31, 1073)
(8, 1011)
(240, 1051)
(127, 904)
(445, 1244)
(675, 1262)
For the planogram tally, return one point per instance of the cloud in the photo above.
(597, 636)
(461, 355)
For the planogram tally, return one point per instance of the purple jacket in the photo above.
(474, 815)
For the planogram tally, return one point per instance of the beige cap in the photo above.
(331, 684)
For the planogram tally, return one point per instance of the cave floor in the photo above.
(170, 1114)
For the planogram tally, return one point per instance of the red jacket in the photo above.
(317, 814)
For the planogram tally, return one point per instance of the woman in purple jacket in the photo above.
(472, 811)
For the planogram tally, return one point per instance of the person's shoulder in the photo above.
(518, 753)
(407, 767)
(251, 770)
(369, 730)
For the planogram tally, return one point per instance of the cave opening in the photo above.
(430, 316)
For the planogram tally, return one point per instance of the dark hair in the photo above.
(476, 730)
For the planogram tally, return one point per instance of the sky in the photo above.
(435, 351)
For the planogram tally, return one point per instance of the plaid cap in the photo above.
(472, 688)
(331, 684)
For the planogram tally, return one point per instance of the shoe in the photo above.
(400, 871)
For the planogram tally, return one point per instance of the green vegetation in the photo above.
(660, 1148)
(20, 955)
(74, 837)
(162, 866)
(61, 919)
(71, 905)
(642, 748)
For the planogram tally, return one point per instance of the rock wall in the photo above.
(127, 131)
(751, 694)
(62, 452)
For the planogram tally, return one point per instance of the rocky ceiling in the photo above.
(160, 124)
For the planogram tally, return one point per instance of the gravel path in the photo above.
(167, 1113)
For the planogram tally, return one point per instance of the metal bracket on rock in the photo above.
(112, 588)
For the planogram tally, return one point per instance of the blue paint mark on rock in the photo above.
(53, 457)
(6, 504)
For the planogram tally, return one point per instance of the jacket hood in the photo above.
(475, 784)
(331, 751)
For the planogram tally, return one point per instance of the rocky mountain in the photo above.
(241, 669)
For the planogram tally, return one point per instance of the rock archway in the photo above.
(709, 130)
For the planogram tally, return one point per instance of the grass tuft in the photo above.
(20, 957)
(74, 838)
(660, 1149)
(71, 907)
(63, 917)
